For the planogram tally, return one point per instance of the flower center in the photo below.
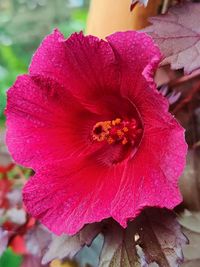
(118, 131)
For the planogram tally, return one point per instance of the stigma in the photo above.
(117, 131)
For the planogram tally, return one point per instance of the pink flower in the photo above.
(89, 120)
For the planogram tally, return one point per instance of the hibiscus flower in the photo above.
(90, 122)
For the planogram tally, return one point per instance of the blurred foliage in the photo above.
(10, 259)
(23, 24)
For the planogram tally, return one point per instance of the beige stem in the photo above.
(108, 16)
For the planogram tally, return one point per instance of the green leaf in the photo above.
(10, 259)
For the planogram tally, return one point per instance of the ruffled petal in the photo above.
(138, 58)
(151, 176)
(66, 195)
(75, 193)
(45, 123)
(86, 65)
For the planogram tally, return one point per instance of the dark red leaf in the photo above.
(177, 33)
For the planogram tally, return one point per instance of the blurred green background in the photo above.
(23, 24)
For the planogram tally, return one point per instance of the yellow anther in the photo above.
(116, 121)
(99, 137)
(101, 130)
(106, 124)
(117, 132)
(125, 129)
(124, 141)
(120, 133)
(110, 140)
